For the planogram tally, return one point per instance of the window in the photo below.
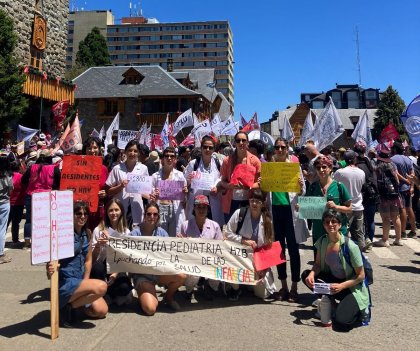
(370, 95)
(352, 99)
(317, 104)
(336, 97)
(36, 59)
(111, 107)
(177, 37)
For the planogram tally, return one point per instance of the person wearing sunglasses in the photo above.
(145, 283)
(172, 212)
(237, 195)
(336, 194)
(339, 262)
(76, 289)
(288, 227)
(205, 166)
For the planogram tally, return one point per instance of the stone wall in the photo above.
(56, 13)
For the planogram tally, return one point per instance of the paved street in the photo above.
(247, 324)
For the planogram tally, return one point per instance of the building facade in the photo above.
(142, 41)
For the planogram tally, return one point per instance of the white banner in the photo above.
(124, 136)
(25, 133)
(287, 131)
(216, 125)
(184, 120)
(362, 132)
(307, 130)
(201, 129)
(138, 184)
(115, 125)
(215, 259)
(230, 127)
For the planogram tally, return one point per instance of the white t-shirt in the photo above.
(353, 178)
(112, 233)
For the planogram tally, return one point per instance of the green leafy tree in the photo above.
(13, 104)
(93, 50)
(389, 110)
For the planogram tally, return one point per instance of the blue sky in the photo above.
(283, 48)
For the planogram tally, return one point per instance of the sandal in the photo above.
(282, 295)
(293, 296)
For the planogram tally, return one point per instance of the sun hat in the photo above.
(154, 156)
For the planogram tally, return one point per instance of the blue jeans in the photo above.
(369, 213)
(4, 216)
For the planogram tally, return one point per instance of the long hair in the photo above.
(122, 221)
(155, 205)
(278, 140)
(266, 216)
(235, 153)
(89, 141)
(81, 205)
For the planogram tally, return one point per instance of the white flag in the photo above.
(94, 133)
(115, 125)
(230, 127)
(143, 133)
(165, 134)
(328, 127)
(362, 132)
(216, 125)
(184, 120)
(307, 130)
(287, 131)
(25, 133)
(102, 132)
(201, 129)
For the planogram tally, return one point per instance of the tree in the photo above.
(13, 103)
(93, 50)
(389, 110)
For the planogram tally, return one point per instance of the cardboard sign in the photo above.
(322, 288)
(202, 181)
(266, 257)
(215, 259)
(52, 226)
(82, 174)
(311, 207)
(280, 176)
(139, 184)
(124, 136)
(20, 148)
(243, 175)
(171, 189)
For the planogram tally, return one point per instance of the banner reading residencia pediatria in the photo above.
(215, 259)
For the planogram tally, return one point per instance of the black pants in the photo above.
(347, 312)
(121, 286)
(284, 232)
(15, 216)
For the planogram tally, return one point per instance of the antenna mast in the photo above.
(358, 56)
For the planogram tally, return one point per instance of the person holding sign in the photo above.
(76, 289)
(117, 182)
(288, 227)
(203, 175)
(337, 195)
(237, 194)
(170, 187)
(254, 229)
(145, 283)
(113, 225)
(339, 263)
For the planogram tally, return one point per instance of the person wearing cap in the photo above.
(405, 168)
(31, 158)
(199, 226)
(340, 158)
(353, 178)
(335, 193)
(41, 176)
(390, 201)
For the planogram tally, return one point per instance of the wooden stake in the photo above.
(54, 308)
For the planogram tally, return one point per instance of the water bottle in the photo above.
(324, 309)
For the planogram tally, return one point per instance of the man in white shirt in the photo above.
(353, 178)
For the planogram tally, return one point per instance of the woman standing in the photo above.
(205, 166)
(6, 187)
(288, 228)
(117, 182)
(76, 289)
(113, 225)
(339, 262)
(237, 195)
(145, 283)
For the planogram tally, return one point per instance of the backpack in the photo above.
(387, 182)
(198, 159)
(241, 219)
(366, 264)
(370, 192)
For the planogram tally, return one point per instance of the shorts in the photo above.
(140, 278)
(406, 198)
(387, 206)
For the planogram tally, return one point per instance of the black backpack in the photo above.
(198, 159)
(242, 213)
(387, 182)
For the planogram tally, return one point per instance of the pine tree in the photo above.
(389, 110)
(93, 50)
(13, 103)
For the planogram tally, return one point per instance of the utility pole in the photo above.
(358, 56)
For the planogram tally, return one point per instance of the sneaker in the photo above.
(412, 234)
(381, 243)
(397, 243)
(16, 245)
(233, 295)
(403, 235)
(5, 259)
(172, 304)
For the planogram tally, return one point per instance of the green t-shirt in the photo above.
(280, 198)
(333, 194)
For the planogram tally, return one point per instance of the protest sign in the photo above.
(82, 174)
(266, 257)
(171, 189)
(311, 207)
(215, 259)
(20, 148)
(138, 184)
(243, 175)
(124, 136)
(322, 288)
(280, 176)
(52, 226)
(202, 181)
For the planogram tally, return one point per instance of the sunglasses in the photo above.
(278, 147)
(207, 147)
(169, 156)
(243, 141)
(321, 167)
(332, 221)
(152, 214)
(81, 214)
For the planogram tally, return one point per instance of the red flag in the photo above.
(243, 121)
(389, 133)
(189, 140)
(157, 142)
(59, 111)
(252, 124)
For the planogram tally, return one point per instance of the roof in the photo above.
(105, 82)
(179, 75)
(346, 113)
